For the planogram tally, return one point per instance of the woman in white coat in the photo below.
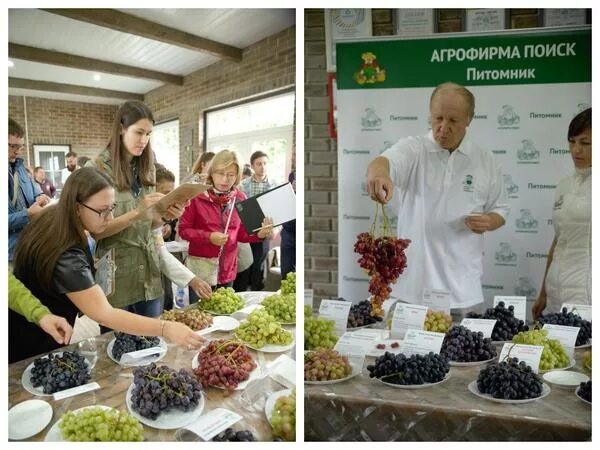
(569, 267)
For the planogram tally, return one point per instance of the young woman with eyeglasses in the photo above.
(53, 261)
(204, 223)
(129, 162)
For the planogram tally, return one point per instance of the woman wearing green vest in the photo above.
(128, 161)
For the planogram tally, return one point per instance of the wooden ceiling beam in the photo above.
(44, 56)
(37, 85)
(126, 23)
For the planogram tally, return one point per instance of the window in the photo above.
(165, 143)
(52, 159)
(266, 124)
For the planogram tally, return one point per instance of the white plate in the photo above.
(470, 364)
(271, 399)
(355, 371)
(55, 435)
(414, 386)
(566, 379)
(220, 323)
(377, 352)
(26, 381)
(170, 420)
(581, 398)
(571, 364)
(473, 388)
(586, 345)
(255, 374)
(143, 361)
(28, 418)
(270, 348)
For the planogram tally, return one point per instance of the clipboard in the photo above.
(278, 203)
(181, 194)
(105, 272)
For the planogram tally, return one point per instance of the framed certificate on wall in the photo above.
(554, 17)
(414, 21)
(480, 19)
(344, 24)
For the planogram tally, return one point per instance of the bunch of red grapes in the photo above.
(224, 364)
(384, 260)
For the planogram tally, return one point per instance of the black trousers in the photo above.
(257, 270)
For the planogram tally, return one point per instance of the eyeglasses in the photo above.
(230, 176)
(15, 146)
(102, 213)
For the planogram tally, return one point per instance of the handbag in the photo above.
(206, 269)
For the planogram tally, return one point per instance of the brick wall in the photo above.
(265, 66)
(84, 126)
(320, 151)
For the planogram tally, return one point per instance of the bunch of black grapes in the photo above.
(464, 345)
(59, 372)
(414, 369)
(361, 314)
(507, 325)
(570, 319)
(229, 435)
(585, 391)
(125, 343)
(509, 379)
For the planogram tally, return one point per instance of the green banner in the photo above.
(528, 58)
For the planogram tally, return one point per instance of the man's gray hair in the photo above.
(457, 89)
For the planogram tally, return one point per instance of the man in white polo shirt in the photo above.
(451, 193)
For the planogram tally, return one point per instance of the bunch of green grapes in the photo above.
(192, 317)
(437, 321)
(307, 311)
(325, 364)
(554, 355)
(283, 420)
(98, 424)
(587, 360)
(288, 286)
(318, 333)
(223, 301)
(260, 328)
(281, 306)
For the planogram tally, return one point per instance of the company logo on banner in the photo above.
(526, 223)
(394, 118)
(360, 280)
(508, 118)
(351, 217)
(512, 189)
(370, 121)
(527, 153)
(505, 256)
(525, 289)
(369, 72)
(356, 152)
(559, 151)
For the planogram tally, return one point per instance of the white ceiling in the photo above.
(35, 28)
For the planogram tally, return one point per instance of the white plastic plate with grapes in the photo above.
(475, 390)
(170, 420)
(55, 435)
(254, 375)
(270, 348)
(142, 361)
(571, 364)
(580, 397)
(271, 399)
(414, 386)
(28, 385)
(377, 352)
(355, 371)
(471, 363)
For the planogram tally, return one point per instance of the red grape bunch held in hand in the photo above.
(383, 258)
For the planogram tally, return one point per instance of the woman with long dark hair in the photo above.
(53, 261)
(129, 162)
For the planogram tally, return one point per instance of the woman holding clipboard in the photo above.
(213, 227)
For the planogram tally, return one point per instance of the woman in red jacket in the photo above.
(213, 229)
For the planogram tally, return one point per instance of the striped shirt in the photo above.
(252, 188)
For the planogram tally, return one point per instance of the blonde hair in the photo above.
(223, 160)
(456, 89)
